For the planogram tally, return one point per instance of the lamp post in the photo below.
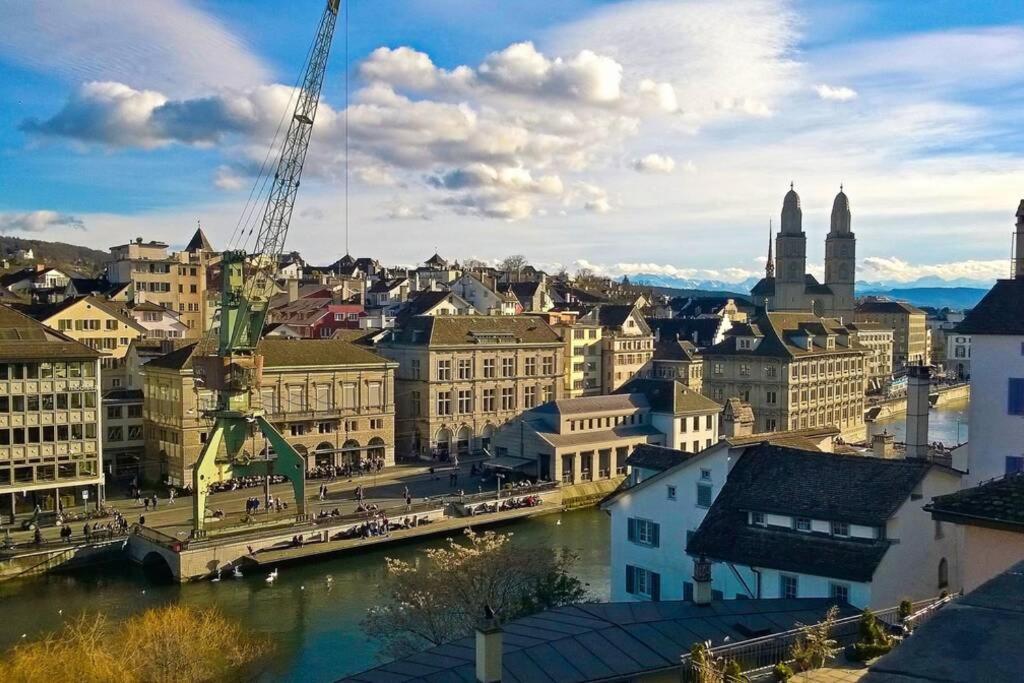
(499, 477)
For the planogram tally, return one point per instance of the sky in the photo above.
(649, 136)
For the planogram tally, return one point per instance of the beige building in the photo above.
(627, 344)
(796, 370)
(176, 281)
(582, 351)
(678, 359)
(99, 324)
(577, 440)
(332, 400)
(877, 340)
(461, 377)
(910, 339)
(49, 417)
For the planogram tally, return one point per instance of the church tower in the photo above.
(841, 258)
(790, 257)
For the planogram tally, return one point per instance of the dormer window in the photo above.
(757, 519)
(841, 529)
(802, 524)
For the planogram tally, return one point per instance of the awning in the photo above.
(510, 463)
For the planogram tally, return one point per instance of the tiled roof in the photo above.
(778, 329)
(997, 504)
(884, 306)
(615, 315)
(786, 481)
(22, 338)
(114, 310)
(572, 439)
(1001, 311)
(670, 329)
(674, 349)
(477, 329)
(584, 405)
(604, 641)
(670, 396)
(199, 242)
(278, 353)
(660, 458)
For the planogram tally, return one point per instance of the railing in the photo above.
(758, 655)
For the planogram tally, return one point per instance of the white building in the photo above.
(480, 290)
(688, 419)
(781, 522)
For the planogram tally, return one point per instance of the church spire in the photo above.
(769, 266)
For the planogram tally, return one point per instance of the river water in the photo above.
(316, 629)
(947, 424)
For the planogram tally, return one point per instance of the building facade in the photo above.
(877, 341)
(50, 421)
(910, 333)
(461, 377)
(796, 370)
(627, 343)
(332, 400)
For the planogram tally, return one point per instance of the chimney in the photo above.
(488, 650)
(1018, 250)
(883, 445)
(293, 290)
(701, 581)
(919, 385)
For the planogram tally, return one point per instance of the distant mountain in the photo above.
(82, 259)
(672, 282)
(936, 297)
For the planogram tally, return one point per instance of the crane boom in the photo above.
(233, 370)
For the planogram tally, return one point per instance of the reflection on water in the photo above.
(947, 424)
(315, 626)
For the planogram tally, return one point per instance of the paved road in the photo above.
(385, 489)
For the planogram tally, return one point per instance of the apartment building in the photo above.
(332, 400)
(877, 340)
(159, 322)
(49, 417)
(627, 344)
(481, 291)
(124, 442)
(460, 377)
(796, 370)
(910, 338)
(177, 281)
(688, 419)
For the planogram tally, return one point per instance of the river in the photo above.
(316, 629)
(947, 424)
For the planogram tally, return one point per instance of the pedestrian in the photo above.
(38, 537)
(406, 493)
(408, 501)
(86, 530)
(147, 504)
(142, 520)
(154, 501)
(170, 497)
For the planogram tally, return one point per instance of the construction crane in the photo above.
(233, 369)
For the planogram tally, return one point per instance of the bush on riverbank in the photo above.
(166, 644)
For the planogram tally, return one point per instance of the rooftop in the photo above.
(995, 504)
(476, 329)
(588, 405)
(886, 306)
(670, 396)
(1001, 311)
(279, 353)
(778, 331)
(23, 338)
(659, 458)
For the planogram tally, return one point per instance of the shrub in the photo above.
(782, 672)
(873, 642)
(906, 608)
(813, 648)
(733, 672)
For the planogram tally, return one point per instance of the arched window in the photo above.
(943, 573)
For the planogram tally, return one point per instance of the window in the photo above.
(377, 423)
(115, 433)
(489, 395)
(444, 403)
(416, 400)
(696, 422)
(414, 368)
(113, 412)
(671, 493)
(465, 401)
(643, 582)
(529, 397)
(348, 395)
(375, 393)
(757, 519)
(683, 424)
(744, 369)
(707, 422)
(508, 367)
(718, 369)
(643, 532)
(802, 524)
(508, 398)
(788, 587)
(489, 368)
(703, 495)
(771, 398)
(444, 370)
(531, 366)
(547, 393)
(839, 592)
(548, 366)
(840, 529)
(1015, 399)
(465, 368)
(298, 429)
(705, 475)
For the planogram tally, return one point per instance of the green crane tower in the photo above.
(233, 369)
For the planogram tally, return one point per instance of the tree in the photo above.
(442, 597)
(814, 648)
(166, 644)
(584, 276)
(513, 263)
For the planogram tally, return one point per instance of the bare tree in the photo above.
(513, 263)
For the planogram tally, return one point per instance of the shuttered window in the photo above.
(1015, 401)
(643, 582)
(643, 532)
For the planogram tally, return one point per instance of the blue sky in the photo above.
(624, 136)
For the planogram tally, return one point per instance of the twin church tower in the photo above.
(787, 286)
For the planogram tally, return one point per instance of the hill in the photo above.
(957, 298)
(82, 259)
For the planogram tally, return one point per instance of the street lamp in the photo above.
(499, 477)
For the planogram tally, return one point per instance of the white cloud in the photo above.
(893, 269)
(39, 221)
(835, 93)
(654, 163)
(170, 45)
(228, 178)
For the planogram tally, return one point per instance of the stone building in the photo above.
(796, 370)
(877, 340)
(910, 339)
(678, 359)
(334, 401)
(49, 417)
(627, 344)
(176, 281)
(787, 286)
(582, 337)
(461, 377)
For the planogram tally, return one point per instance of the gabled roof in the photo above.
(475, 329)
(386, 285)
(612, 641)
(779, 330)
(199, 242)
(997, 504)
(1001, 311)
(675, 350)
(787, 481)
(45, 312)
(659, 458)
(279, 353)
(670, 396)
(436, 261)
(670, 329)
(886, 306)
(23, 338)
(615, 315)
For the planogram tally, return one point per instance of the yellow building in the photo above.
(910, 339)
(583, 351)
(332, 400)
(627, 343)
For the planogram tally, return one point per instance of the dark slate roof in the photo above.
(199, 242)
(1001, 311)
(787, 481)
(603, 641)
(659, 458)
(700, 305)
(520, 290)
(123, 395)
(997, 504)
(422, 302)
(614, 315)
(476, 329)
(675, 349)
(670, 396)
(22, 338)
(670, 329)
(975, 639)
(764, 287)
(282, 353)
(386, 285)
(778, 330)
(886, 306)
